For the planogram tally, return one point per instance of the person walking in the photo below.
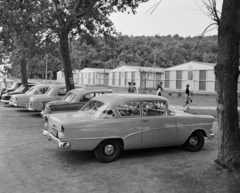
(159, 89)
(3, 87)
(188, 99)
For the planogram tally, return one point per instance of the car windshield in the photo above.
(13, 86)
(20, 89)
(70, 97)
(31, 90)
(98, 109)
(50, 91)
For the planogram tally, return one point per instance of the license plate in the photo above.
(54, 132)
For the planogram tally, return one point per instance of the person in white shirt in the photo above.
(3, 86)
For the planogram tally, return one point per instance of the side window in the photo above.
(101, 93)
(62, 92)
(129, 109)
(43, 90)
(87, 97)
(154, 108)
(35, 92)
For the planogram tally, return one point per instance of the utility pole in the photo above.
(46, 65)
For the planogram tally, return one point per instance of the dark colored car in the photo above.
(74, 100)
(20, 90)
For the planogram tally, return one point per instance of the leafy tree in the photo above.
(65, 20)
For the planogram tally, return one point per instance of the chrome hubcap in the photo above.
(193, 141)
(109, 149)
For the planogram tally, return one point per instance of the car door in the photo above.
(130, 124)
(158, 125)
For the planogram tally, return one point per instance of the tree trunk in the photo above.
(23, 64)
(227, 72)
(64, 50)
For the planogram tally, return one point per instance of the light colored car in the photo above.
(20, 100)
(111, 123)
(54, 92)
(74, 100)
(6, 97)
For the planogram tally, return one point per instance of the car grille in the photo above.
(6, 97)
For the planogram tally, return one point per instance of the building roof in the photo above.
(100, 70)
(138, 68)
(193, 65)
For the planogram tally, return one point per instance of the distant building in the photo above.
(94, 76)
(199, 75)
(144, 77)
(61, 77)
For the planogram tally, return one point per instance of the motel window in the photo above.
(119, 78)
(202, 79)
(113, 78)
(179, 80)
(167, 77)
(190, 75)
(89, 77)
(125, 80)
(133, 77)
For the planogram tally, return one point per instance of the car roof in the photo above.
(90, 89)
(119, 98)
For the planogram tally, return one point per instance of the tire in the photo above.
(195, 142)
(108, 151)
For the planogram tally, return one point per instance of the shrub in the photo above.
(170, 94)
(179, 94)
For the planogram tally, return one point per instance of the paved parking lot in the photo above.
(30, 163)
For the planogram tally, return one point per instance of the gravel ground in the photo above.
(29, 163)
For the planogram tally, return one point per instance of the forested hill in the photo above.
(159, 51)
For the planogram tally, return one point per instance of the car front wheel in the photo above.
(195, 142)
(108, 151)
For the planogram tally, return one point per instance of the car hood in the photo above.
(41, 97)
(12, 93)
(60, 102)
(22, 96)
(73, 117)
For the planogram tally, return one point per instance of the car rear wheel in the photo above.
(108, 151)
(195, 142)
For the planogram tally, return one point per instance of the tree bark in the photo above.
(23, 64)
(227, 72)
(64, 50)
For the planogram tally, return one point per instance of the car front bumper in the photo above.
(5, 101)
(210, 136)
(61, 145)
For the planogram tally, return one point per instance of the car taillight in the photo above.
(47, 109)
(61, 133)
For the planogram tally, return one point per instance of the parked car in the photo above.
(54, 92)
(20, 90)
(20, 100)
(111, 123)
(11, 86)
(74, 100)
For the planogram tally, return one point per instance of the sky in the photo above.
(182, 17)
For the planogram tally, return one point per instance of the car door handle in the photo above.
(145, 120)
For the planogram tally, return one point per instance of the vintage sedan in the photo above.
(54, 92)
(20, 100)
(12, 85)
(20, 90)
(74, 100)
(111, 123)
